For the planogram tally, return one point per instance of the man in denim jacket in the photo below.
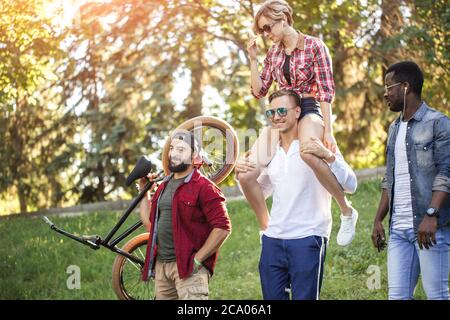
(415, 189)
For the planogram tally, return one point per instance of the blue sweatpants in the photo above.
(296, 264)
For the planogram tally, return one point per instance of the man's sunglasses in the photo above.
(281, 112)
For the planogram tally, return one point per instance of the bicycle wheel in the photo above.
(127, 275)
(217, 139)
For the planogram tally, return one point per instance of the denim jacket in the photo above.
(428, 153)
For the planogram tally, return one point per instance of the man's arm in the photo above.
(262, 184)
(145, 213)
(212, 244)
(145, 205)
(245, 165)
(383, 209)
(426, 233)
(441, 155)
(212, 203)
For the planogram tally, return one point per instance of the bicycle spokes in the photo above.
(214, 145)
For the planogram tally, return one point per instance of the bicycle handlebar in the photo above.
(47, 221)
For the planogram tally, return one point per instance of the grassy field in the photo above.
(34, 259)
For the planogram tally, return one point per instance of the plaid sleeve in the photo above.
(323, 71)
(266, 76)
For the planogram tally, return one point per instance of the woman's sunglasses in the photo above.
(267, 28)
(281, 112)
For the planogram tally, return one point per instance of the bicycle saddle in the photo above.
(142, 168)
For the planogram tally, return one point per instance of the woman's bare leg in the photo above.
(255, 196)
(261, 154)
(312, 126)
(264, 147)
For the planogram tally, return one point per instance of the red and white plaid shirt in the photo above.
(310, 69)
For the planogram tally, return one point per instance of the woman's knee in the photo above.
(248, 177)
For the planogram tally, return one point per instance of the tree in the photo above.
(79, 105)
(35, 128)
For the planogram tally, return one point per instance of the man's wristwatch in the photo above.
(432, 212)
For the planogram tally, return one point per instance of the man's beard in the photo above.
(397, 107)
(179, 167)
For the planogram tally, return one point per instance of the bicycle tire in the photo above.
(232, 145)
(123, 290)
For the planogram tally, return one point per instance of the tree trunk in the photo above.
(391, 23)
(22, 198)
(194, 100)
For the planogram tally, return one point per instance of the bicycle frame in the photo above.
(95, 242)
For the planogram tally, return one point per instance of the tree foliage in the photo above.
(80, 103)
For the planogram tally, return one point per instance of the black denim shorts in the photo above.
(310, 105)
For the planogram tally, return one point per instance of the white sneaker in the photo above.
(347, 230)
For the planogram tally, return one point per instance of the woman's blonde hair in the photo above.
(275, 10)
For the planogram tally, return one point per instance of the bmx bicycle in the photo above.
(216, 162)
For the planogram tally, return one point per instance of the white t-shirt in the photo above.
(402, 216)
(301, 205)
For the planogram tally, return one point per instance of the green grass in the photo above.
(34, 259)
